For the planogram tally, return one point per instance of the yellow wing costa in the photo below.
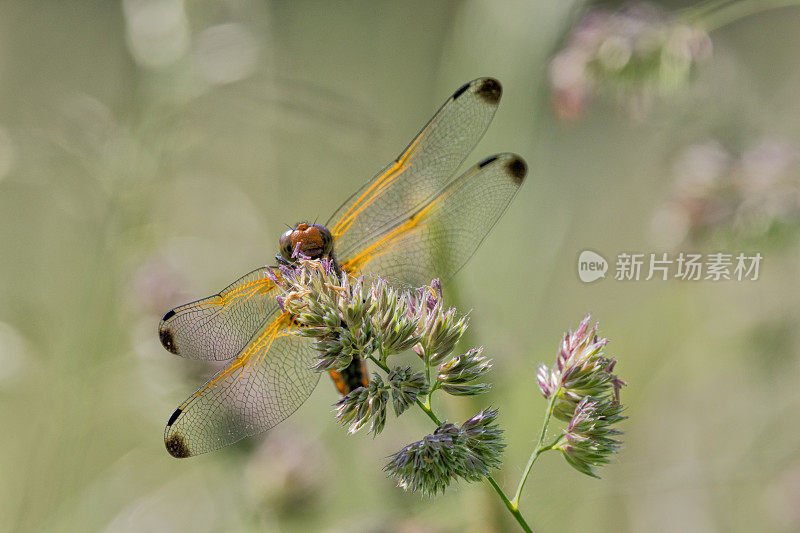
(421, 171)
(264, 384)
(218, 327)
(438, 238)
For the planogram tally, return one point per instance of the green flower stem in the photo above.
(381, 365)
(726, 12)
(429, 399)
(428, 411)
(540, 448)
(425, 406)
(510, 506)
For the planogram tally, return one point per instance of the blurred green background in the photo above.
(151, 151)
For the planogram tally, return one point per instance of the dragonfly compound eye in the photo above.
(313, 241)
(285, 244)
(327, 239)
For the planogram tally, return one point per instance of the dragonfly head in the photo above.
(314, 241)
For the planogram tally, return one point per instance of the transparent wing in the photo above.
(421, 171)
(265, 384)
(218, 327)
(438, 238)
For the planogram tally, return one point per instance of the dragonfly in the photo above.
(412, 222)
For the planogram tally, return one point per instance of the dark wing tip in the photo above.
(165, 333)
(517, 168)
(487, 88)
(167, 339)
(490, 90)
(176, 446)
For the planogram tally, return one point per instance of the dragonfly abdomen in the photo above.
(353, 376)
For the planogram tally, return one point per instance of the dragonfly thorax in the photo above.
(314, 241)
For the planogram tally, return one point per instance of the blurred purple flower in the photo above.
(715, 188)
(285, 471)
(630, 54)
(157, 286)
